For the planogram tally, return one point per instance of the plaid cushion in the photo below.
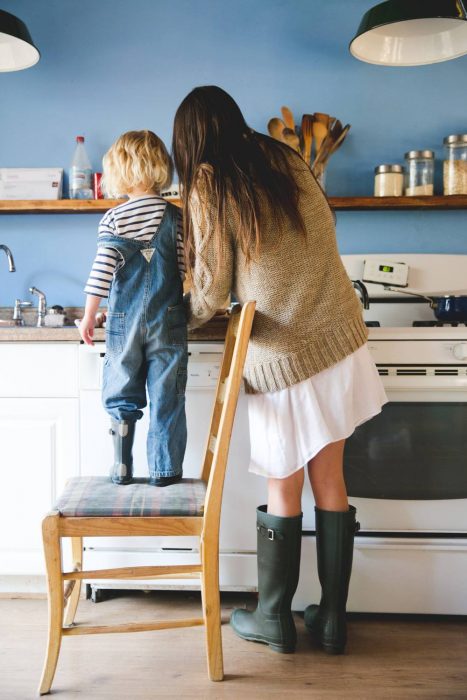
(98, 496)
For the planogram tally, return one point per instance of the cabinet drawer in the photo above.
(46, 370)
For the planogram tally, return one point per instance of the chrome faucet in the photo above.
(41, 307)
(9, 254)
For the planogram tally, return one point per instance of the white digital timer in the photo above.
(388, 272)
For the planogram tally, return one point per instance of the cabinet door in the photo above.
(30, 370)
(38, 453)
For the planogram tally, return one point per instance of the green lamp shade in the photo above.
(17, 50)
(412, 32)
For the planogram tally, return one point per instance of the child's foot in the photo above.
(165, 480)
(120, 482)
(123, 435)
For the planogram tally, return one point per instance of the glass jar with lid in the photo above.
(389, 180)
(420, 169)
(455, 164)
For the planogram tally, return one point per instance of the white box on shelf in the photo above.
(31, 183)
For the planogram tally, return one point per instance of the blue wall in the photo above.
(111, 65)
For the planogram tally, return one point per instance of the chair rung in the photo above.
(133, 627)
(134, 572)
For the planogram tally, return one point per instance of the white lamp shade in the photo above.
(409, 41)
(16, 48)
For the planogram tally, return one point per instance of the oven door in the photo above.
(406, 469)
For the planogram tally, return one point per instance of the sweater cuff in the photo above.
(196, 317)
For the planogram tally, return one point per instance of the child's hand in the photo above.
(86, 329)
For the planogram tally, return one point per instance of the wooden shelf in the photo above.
(99, 206)
(60, 206)
(393, 203)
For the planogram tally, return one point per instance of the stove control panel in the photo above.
(385, 272)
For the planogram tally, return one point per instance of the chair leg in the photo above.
(73, 600)
(53, 560)
(212, 609)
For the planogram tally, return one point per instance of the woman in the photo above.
(258, 224)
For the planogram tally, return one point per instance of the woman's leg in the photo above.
(326, 472)
(335, 530)
(285, 495)
(279, 537)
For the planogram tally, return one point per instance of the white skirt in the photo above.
(289, 427)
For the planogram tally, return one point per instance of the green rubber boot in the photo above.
(279, 546)
(123, 435)
(335, 533)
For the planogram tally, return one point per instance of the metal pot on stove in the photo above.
(450, 308)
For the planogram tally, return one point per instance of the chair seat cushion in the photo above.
(97, 496)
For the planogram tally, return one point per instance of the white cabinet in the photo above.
(39, 445)
(38, 369)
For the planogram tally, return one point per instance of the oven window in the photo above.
(415, 451)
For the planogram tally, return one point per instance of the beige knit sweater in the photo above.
(308, 316)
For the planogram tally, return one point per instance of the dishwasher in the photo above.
(243, 491)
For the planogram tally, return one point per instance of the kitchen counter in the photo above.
(214, 330)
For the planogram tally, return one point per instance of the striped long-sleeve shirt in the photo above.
(137, 218)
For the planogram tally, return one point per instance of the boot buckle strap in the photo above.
(269, 532)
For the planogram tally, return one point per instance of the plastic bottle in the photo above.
(80, 186)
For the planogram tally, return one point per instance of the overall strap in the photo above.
(169, 218)
(127, 247)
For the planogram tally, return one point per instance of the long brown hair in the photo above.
(245, 167)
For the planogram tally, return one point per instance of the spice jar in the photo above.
(389, 180)
(420, 171)
(455, 164)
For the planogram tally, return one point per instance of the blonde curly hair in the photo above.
(136, 159)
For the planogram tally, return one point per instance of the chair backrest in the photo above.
(228, 389)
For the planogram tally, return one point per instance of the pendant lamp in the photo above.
(412, 32)
(17, 50)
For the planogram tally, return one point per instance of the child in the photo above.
(140, 267)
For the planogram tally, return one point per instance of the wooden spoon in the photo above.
(330, 146)
(288, 118)
(307, 136)
(320, 131)
(323, 119)
(338, 142)
(323, 151)
(291, 139)
(335, 130)
(275, 127)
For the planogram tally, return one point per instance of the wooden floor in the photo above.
(386, 658)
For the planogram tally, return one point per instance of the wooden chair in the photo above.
(93, 507)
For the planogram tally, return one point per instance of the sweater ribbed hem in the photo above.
(333, 346)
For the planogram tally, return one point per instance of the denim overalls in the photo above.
(146, 342)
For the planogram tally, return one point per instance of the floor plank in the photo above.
(387, 658)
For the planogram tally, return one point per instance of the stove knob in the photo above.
(460, 351)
